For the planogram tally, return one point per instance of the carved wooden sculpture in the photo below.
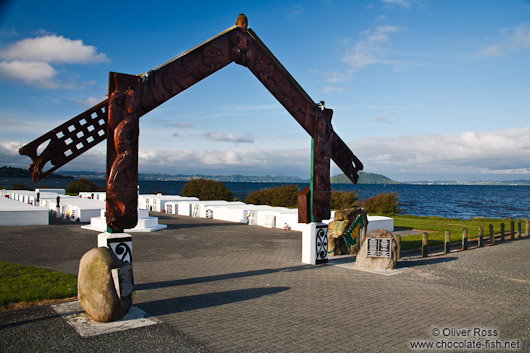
(131, 96)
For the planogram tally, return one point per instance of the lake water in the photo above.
(452, 201)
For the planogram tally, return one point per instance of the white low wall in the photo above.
(158, 203)
(14, 213)
(262, 215)
(380, 222)
(237, 213)
(206, 208)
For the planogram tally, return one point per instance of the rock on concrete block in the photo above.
(96, 291)
(370, 258)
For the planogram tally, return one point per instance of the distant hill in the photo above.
(364, 178)
(10, 172)
(182, 177)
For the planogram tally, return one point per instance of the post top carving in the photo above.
(242, 21)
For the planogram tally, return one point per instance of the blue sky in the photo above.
(421, 90)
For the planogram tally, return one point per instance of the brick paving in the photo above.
(239, 288)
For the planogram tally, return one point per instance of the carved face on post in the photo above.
(122, 153)
(131, 102)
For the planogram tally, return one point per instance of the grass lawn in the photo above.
(26, 283)
(436, 227)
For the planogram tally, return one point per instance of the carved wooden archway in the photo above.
(132, 96)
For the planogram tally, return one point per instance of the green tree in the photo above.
(282, 196)
(82, 184)
(341, 200)
(386, 204)
(207, 190)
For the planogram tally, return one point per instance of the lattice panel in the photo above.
(84, 132)
(67, 141)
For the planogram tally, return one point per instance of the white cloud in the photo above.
(30, 60)
(184, 125)
(240, 161)
(512, 40)
(35, 73)
(229, 137)
(90, 102)
(383, 119)
(495, 152)
(404, 3)
(53, 49)
(371, 49)
(327, 89)
(424, 157)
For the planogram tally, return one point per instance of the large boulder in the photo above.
(96, 290)
(346, 229)
(365, 262)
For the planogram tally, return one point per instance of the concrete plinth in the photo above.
(315, 243)
(119, 243)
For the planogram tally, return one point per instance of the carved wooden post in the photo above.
(304, 207)
(321, 185)
(122, 152)
(480, 237)
(425, 245)
(503, 239)
(464, 239)
(492, 235)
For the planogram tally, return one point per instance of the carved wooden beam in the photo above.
(238, 44)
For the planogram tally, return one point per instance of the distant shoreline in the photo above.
(364, 178)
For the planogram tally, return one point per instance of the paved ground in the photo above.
(228, 287)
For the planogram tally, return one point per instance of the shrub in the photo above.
(282, 196)
(386, 204)
(82, 184)
(341, 200)
(21, 187)
(207, 190)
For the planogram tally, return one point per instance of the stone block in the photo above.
(96, 290)
(372, 257)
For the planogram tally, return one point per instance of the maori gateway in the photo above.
(132, 96)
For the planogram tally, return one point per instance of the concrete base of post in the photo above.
(315, 243)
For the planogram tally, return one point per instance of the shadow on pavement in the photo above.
(196, 225)
(12, 318)
(201, 301)
(424, 261)
(187, 281)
